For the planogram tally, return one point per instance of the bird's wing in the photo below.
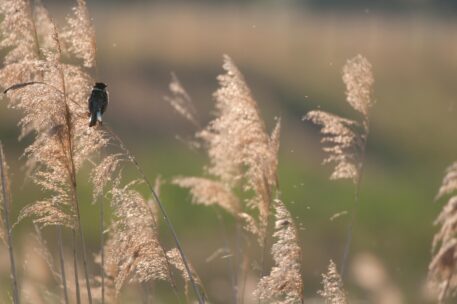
(105, 102)
(91, 102)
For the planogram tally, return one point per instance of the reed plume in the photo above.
(134, 253)
(208, 192)
(443, 267)
(52, 96)
(243, 156)
(333, 291)
(284, 283)
(241, 152)
(345, 140)
(181, 101)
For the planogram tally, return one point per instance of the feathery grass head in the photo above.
(240, 149)
(345, 139)
(208, 192)
(181, 101)
(18, 31)
(340, 142)
(53, 101)
(102, 174)
(134, 253)
(359, 80)
(241, 152)
(333, 291)
(80, 35)
(443, 267)
(284, 283)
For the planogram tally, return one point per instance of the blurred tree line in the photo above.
(386, 5)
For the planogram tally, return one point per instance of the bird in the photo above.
(98, 102)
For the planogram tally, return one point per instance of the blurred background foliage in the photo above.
(291, 53)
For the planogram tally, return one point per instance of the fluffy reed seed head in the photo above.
(359, 80)
(239, 147)
(52, 96)
(80, 34)
(284, 283)
(134, 253)
(208, 192)
(340, 141)
(443, 267)
(333, 291)
(102, 174)
(345, 139)
(181, 101)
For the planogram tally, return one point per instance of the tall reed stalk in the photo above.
(62, 264)
(6, 203)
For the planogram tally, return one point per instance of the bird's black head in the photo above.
(100, 85)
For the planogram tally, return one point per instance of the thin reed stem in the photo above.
(102, 249)
(62, 264)
(238, 251)
(244, 274)
(347, 246)
(75, 267)
(230, 266)
(170, 273)
(83, 247)
(68, 120)
(200, 299)
(6, 203)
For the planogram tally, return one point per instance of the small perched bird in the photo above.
(98, 102)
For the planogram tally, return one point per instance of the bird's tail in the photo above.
(99, 116)
(93, 119)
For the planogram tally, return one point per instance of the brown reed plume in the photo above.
(240, 150)
(344, 139)
(284, 283)
(243, 156)
(133, 250)
(52, 96)
(443, 267)
(333, 291)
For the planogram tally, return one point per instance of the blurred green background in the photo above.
(291, 53)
